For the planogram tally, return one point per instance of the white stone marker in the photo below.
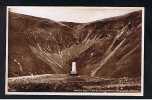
(74, 70)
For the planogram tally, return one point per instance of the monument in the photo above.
(73, 70)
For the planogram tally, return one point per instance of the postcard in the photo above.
(57, 50)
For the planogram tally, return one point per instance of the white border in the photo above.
(79, 93)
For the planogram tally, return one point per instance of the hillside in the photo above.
(106, 48)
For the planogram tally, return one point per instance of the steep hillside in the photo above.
(117, 48)
(28, 35)
(106, 48)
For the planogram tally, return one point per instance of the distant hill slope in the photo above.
(28, 31)
(106, 48)
(117, 51)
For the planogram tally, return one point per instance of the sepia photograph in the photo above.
(74, 50)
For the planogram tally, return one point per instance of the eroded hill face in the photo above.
(104, 48)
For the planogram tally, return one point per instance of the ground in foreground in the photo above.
(67, 83)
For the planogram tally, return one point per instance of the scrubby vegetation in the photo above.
(64, 83)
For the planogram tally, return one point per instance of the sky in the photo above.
(73, 14)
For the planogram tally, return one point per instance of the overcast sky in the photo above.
(73, 14)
